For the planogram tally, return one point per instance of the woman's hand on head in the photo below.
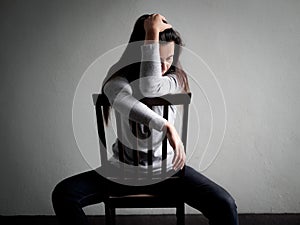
(177, 145)
(154, 24)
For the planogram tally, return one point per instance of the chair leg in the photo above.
(110, 215)
(180, 215)
(113, 216)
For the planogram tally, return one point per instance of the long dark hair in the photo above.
(128, 65)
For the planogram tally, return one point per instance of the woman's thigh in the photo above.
(84, 189)
(205, 195)
(89, 188)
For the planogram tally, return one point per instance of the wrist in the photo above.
(167, 125)
(151, 35)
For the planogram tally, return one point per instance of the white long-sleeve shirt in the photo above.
(121, 95)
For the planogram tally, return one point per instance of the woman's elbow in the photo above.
(146, 93)
(152, 92)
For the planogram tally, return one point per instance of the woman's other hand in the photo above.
(177, 145)
(154, 24)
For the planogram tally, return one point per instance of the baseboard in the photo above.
(191, 219)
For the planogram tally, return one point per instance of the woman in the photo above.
(148, 67)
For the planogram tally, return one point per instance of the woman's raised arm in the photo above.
(151, 82)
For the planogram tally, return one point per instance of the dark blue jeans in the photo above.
(76, 192)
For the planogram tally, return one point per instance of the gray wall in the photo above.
(253, 47)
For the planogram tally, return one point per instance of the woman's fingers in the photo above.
(182, 157)
(179, 163)
(175, 160)
(179, 157)
(165, 24)
(156, 22)
(177, 145)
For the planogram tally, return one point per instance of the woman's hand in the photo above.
(153, 25)
(176, 143)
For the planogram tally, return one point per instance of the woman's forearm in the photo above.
(119, 94)
(151, 82)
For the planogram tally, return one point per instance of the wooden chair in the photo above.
(142, 200)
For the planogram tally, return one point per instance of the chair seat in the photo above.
(142, 198)
(134, 196)
(142, 201)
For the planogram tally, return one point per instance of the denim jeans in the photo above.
(73, 193)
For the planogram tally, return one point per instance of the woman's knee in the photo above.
(58, 192)
(227, 203)
(64, 190)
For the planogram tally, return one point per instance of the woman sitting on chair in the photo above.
(149, 67)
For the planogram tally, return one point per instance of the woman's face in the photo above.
(166, 51)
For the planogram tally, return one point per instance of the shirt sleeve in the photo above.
(119, 94)
(151, 82)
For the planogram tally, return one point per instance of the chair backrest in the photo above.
(100, 101)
